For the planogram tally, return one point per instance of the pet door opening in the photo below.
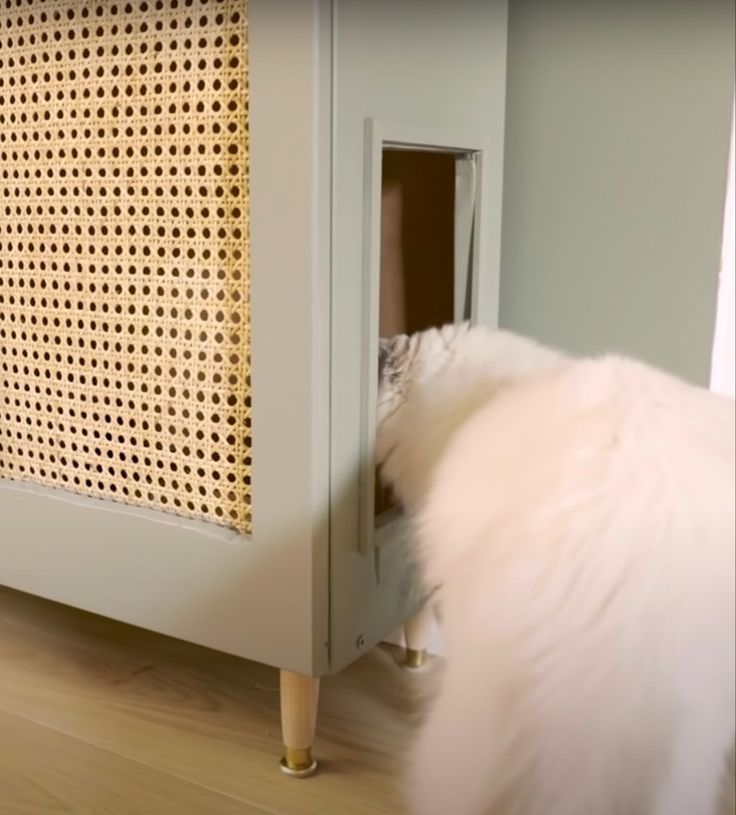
(427, 211)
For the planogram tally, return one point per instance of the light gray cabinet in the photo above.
(232, 237)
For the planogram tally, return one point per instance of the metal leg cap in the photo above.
(298, 763)
(414, 660)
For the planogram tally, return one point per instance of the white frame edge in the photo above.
(722, 359)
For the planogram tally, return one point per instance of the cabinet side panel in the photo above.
(441, 66)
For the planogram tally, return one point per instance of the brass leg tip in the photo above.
(298, 763)
(413, 660)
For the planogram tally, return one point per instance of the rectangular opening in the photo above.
(426, 231)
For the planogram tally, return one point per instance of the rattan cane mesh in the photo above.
(124, 293)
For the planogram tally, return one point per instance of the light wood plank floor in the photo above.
(98, 718)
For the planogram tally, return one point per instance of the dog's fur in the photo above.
(578, 519)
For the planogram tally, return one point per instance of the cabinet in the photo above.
(190, 298)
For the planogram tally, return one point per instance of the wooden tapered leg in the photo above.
(416, 635)
(299, 700)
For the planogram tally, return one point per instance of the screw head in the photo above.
(360, 642)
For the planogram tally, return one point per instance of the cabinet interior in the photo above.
(417, 276)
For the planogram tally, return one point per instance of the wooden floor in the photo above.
(98, 718)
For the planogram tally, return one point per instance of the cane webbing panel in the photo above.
(124, 293)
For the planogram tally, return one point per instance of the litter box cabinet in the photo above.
(208, 213)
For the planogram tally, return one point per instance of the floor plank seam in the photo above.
(177, 776)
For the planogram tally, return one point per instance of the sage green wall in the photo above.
(617, 132)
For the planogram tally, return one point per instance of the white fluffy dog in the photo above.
(578, 519)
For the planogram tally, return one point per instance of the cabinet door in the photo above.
(437, 87)
(130, 319)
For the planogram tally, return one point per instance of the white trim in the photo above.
(723, 361)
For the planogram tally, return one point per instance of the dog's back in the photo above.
(581, 526)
